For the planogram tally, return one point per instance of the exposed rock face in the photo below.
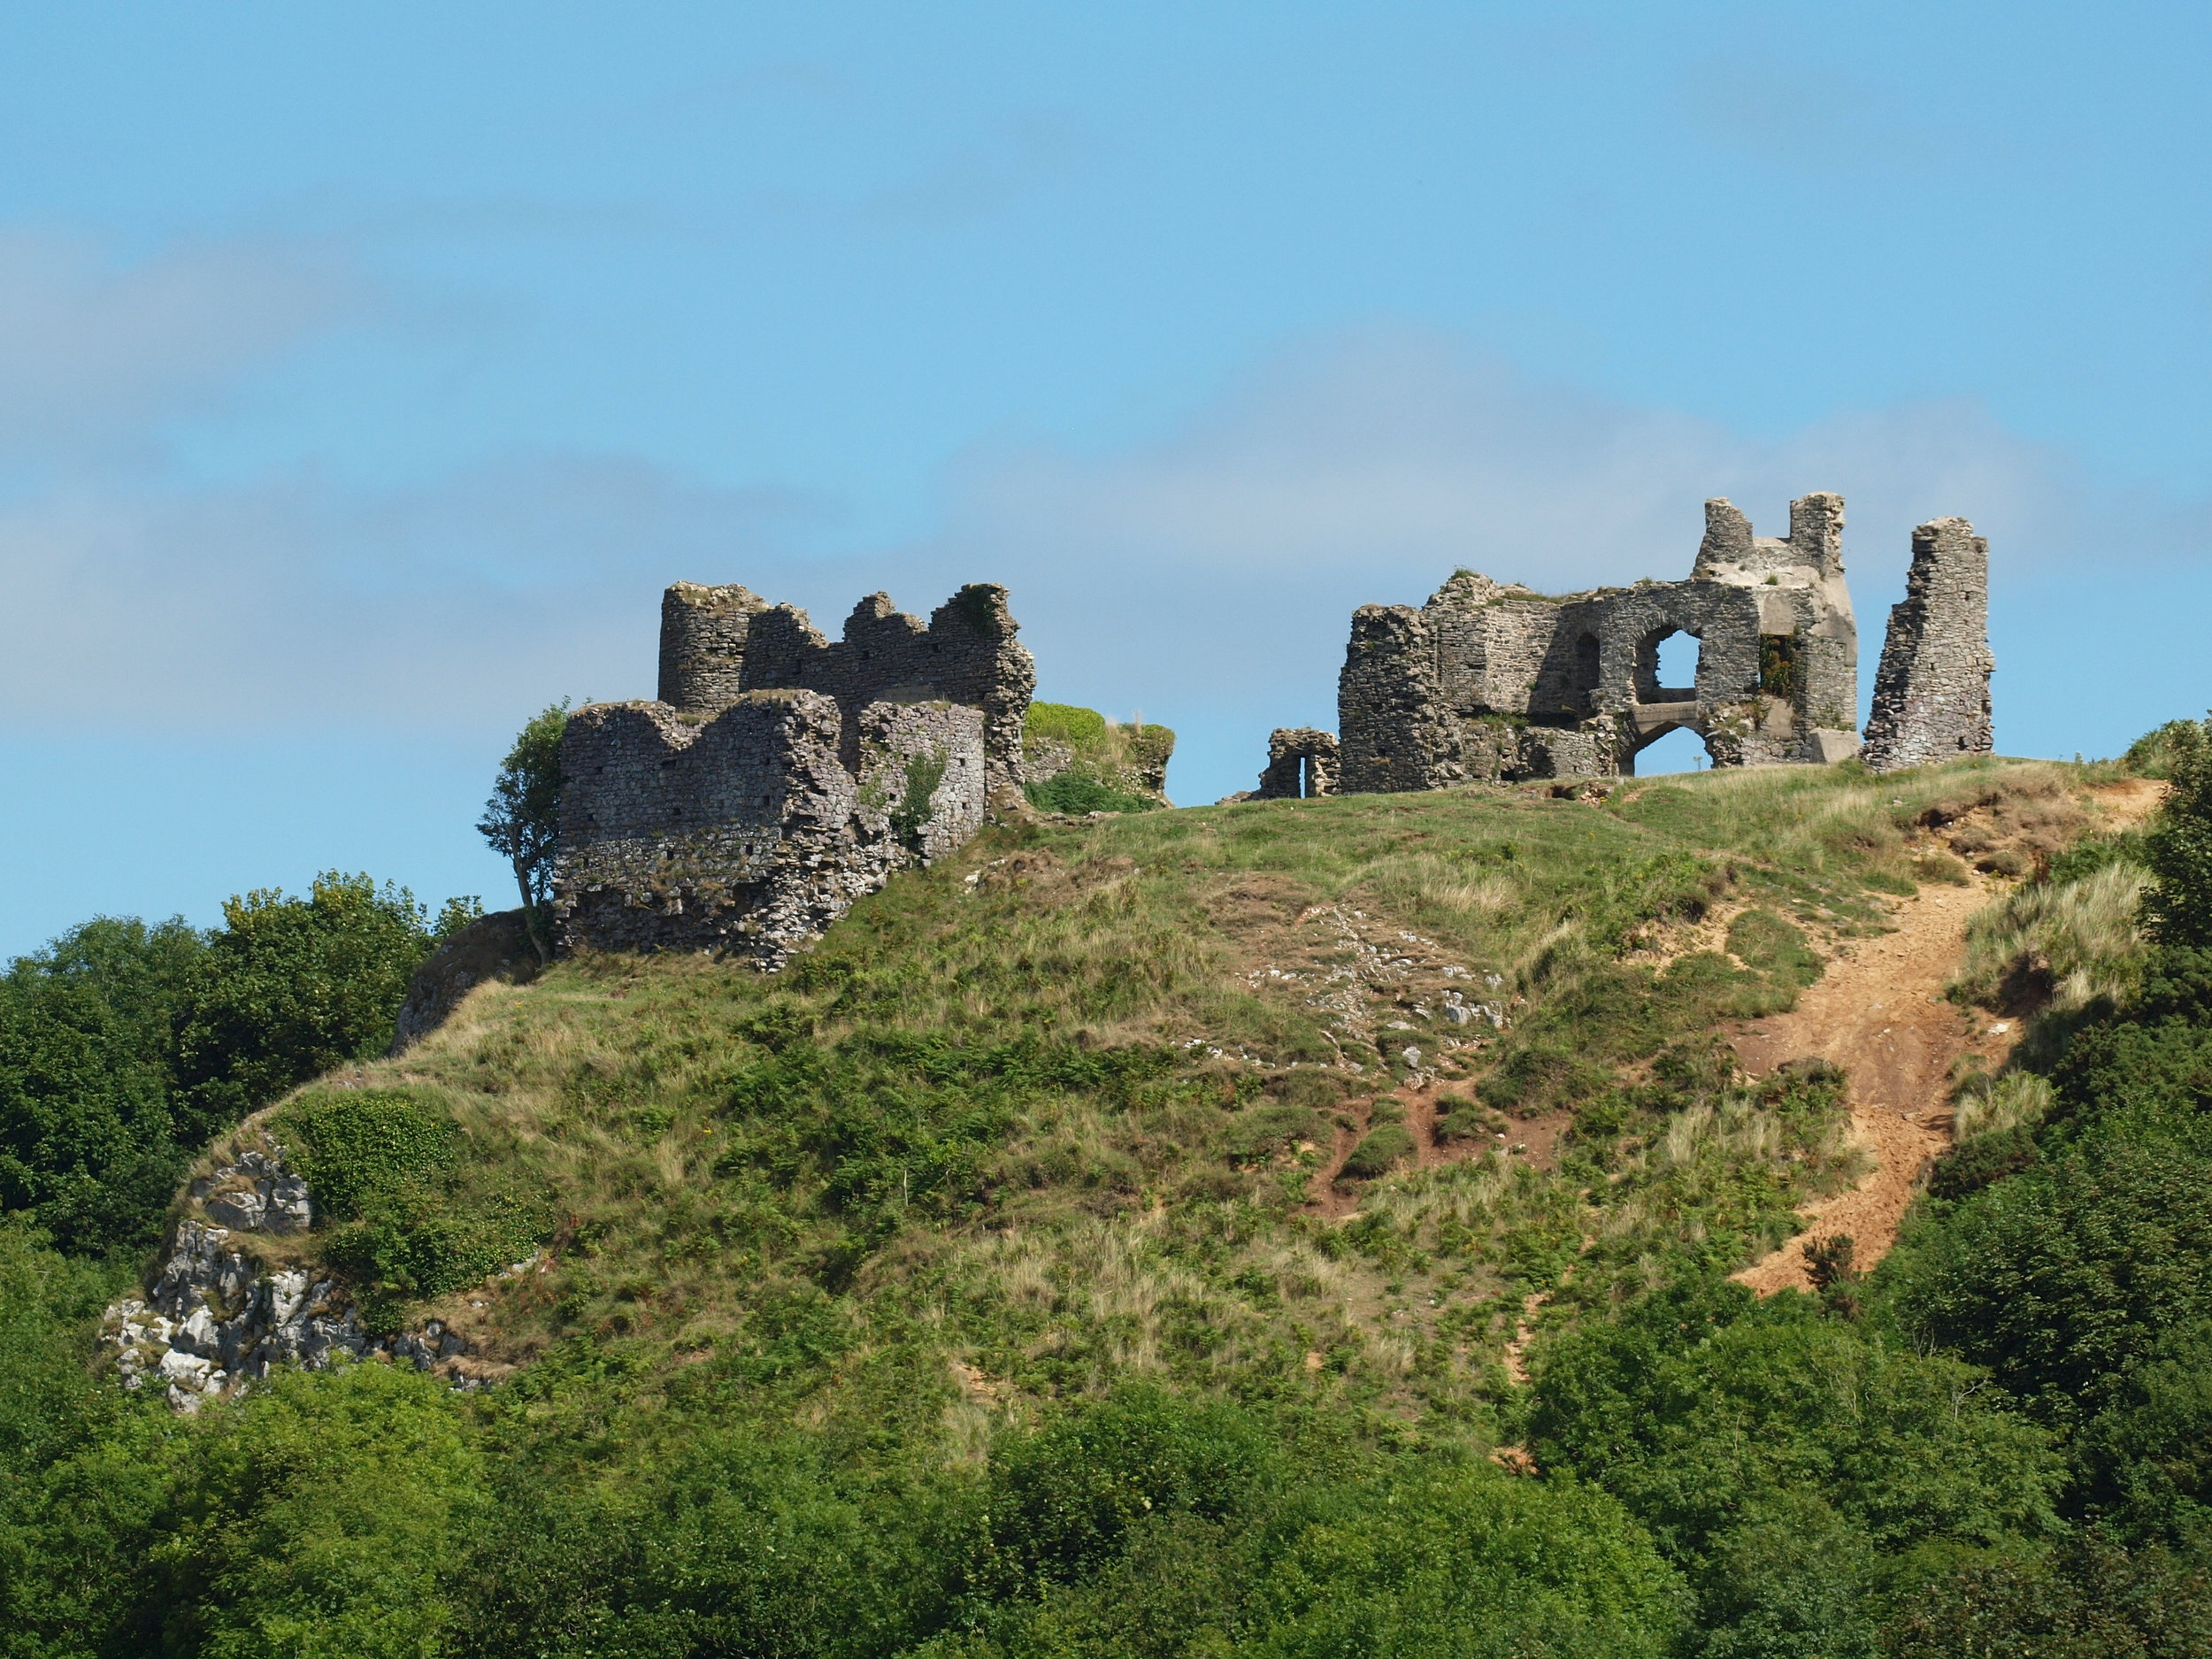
(1301, 762)
(495, 946)
(1490, 681)
(215, 1317)
(782, 776)
(1932, 693)
(256, 1194)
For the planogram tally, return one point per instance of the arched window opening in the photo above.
(1680, 750)
(1678, 656)
(1666, 666)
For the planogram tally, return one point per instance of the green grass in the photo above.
(1055, 1108)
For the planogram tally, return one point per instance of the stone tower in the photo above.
(1932, 693)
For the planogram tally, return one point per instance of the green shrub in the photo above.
(2154, 754)
(1260, 1132)
(1076, 794)
(359, 1146)
(2056, 945)
(2177, 848)
(292, 987)
(1380, 1151)
(90, 1147)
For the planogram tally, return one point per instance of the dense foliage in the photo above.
(124, 1046)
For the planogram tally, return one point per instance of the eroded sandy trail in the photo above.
(1880, 1013)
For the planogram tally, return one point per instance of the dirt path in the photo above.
(1879, 1012)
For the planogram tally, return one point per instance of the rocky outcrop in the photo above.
(218, 1315)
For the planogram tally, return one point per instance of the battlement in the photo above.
(780, 777)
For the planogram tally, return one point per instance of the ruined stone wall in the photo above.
(965, 653)
(1932, 692)
(744, 822)
(1301, 764)
(1489, 682)
(1393, 724)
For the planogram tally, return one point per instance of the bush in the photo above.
(1063, 1501)
(380, 1166)
(2058, 945)
(291, 987)
(1380, 1151)
(90, 1145)
(2177, 850)
(1260, 1132)
(1076, 794)
(358, 1147)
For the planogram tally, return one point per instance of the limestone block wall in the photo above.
(1932, 692)
(1491, 681)
(745, 834)
(965, 653)
(704, 632)
(1301, 764)
(781, 777)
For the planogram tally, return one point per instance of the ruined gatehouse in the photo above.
(780, 776)
(1492, 682)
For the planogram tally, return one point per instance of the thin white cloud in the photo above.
(94, 350)
(1205, 577)
(1219, 563)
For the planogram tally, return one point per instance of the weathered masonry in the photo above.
(1932, 692)
(780, 776)
(1301, 764)
(1491, 681)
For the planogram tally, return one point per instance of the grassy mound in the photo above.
(1072, 1105)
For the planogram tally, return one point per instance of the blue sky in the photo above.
(365, 374)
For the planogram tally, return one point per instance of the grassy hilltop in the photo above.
(1066, 1107)
(1290, 1228)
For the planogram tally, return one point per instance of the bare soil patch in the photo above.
(1880, 1013)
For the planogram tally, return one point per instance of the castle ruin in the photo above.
(780, 776)
(1493, 682)
(1932, 692)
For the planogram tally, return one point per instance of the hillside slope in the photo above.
(1304, 1095)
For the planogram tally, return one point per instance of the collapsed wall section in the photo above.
(965, 653)
(1302, 765)
(1932, 692)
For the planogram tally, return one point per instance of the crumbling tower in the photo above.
(1932, 693)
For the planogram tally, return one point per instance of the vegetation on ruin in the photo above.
(1052, 1262)
(1106, 762)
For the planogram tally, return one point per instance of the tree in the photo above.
(522, 818)
(289, 988)
(2178, 904)
(87, 1146)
